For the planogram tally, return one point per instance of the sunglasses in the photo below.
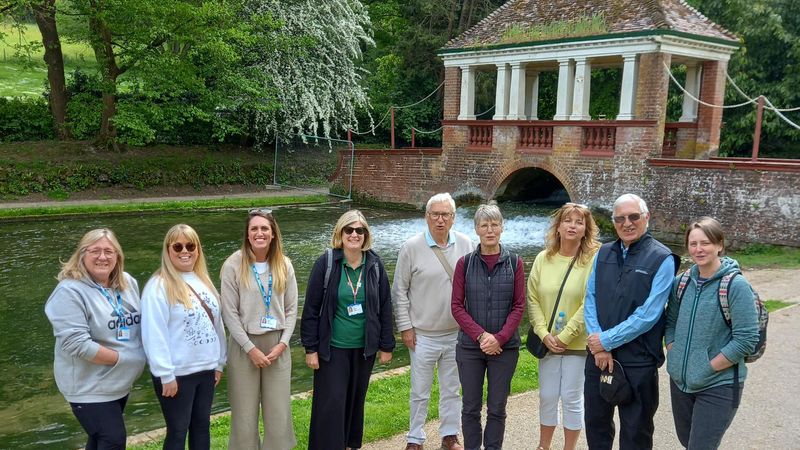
(178, 247)
(632, 217)
(359, 230)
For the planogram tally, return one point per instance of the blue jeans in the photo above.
(701, 418)
(103, 423)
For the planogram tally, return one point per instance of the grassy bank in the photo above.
(767, 256)
(386, 409)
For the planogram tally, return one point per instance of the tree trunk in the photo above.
(106, 59)
(463, 20)
(45, 13)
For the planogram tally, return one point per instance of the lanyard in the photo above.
(266, 295)
(355, 289)
(118, 306)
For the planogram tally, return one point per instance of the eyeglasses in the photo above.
(493, 226)
(359, 230)
(577, 205)
(178, 247)
(440, 215)
(619, 220)
(263, 211)
(96, 252)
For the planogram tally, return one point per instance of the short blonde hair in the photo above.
(347, 218)
(74, 269)
(176, 289)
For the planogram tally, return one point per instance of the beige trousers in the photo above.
(267, 389)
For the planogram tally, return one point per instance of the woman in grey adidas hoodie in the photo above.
(94, 311)
(705, 358)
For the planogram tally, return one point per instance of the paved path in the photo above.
(769, 417)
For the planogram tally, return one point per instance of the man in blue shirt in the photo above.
(624, 314)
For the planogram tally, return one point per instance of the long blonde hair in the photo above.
(275, 256)
(175, 287)
(589, 243)
(74, 269)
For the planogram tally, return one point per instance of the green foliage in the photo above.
(764, 255)
(582, 26)
(25, 119)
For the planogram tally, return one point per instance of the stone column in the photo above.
(502, 92)
(467, 93)
(566, 83)
(532, 95)
(583, 84)
(627, 97)
(692, 86)
(516, 97)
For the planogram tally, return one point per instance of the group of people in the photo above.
(457, 306)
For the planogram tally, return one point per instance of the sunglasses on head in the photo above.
(178, 247)
(632, 217)
(359, 230)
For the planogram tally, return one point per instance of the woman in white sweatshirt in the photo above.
(259, 298)
(184, 338)
(94, 311)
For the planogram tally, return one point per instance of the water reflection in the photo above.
(35, 415)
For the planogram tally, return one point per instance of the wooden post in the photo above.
(350, 136)
(413, 134)
(757, 135)
(392, 111)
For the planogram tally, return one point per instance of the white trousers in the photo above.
(561, 377)
(429, 352)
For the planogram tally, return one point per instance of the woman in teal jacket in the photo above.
(703, 350)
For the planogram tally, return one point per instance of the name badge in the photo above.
(355, 309)
(123, 333)
(270, 323)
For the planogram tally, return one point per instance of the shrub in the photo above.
(25, 119)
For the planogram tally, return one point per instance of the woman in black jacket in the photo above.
(347, 319)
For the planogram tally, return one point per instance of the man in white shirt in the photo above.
(421, 296)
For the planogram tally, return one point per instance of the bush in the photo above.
(25, 119)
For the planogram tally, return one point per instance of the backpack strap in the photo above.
(724, 285)
(682, 284)
(328, 268)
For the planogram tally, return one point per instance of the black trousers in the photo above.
(636, 418)
(103, 423)
(189, 411)
(473, 366)
(337, 407)
(701, 418)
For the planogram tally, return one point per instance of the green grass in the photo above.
(774, 305)
(767, 256)
(21, 77)
(172, 205)
(386, 408)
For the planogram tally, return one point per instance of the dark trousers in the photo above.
(337, 405)
(189, 411)
(636, 418)
(702, 418)
(103, 423)
(473, 366)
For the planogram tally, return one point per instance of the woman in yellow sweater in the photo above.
(559, 275)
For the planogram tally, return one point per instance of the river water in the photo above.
(33, 414)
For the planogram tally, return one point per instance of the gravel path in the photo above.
(768, 418)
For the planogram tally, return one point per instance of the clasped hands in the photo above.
(602, 358)
(554, 344)
(260, 360)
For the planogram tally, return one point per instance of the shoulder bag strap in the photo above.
(560, 290)
(202, 303)
(445, 263)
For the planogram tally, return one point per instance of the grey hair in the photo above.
(489, 212)
(631, 197)
(443, 197)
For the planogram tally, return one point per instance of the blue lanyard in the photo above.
(118, 306)
(267, 296)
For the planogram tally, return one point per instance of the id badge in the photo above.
(123, 333)
(270, 323)
(354, 309)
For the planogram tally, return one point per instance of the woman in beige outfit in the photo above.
(259, 307)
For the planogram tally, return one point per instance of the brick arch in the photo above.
(512, 167)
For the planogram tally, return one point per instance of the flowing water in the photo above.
(33, 414)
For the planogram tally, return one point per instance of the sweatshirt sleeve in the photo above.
(387, 341)
(400, 287)
(312, 307)
(289, 304)
(535, 314)
(744, 321)
(155, 331)
(219, 327)
(66, 312)
(229, 298)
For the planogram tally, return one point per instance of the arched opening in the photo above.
(532, 184)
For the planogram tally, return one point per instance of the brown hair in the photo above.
(711, 228)
(275, 257)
